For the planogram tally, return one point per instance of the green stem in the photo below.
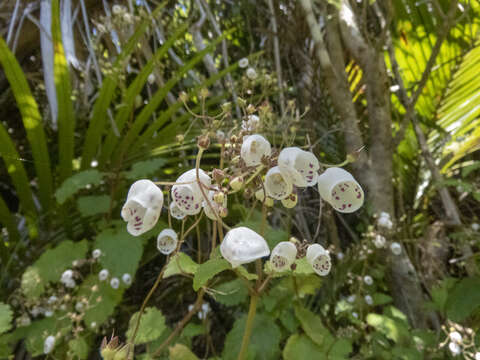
(248, 327)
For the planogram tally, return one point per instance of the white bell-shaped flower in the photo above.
(188, 197)
(301, 166)
(454, 348)
(283, 255)
(396, 248)
(48, 344)
(143, 206)
(114, 283)
(167, 241)
(254, 148)
(243, 245)
(211, 207)
(176, 212)
(319, 258)
(277, 185)
(103, 275)
(127, 279)
(341, 190)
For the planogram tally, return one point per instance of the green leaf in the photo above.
(464, 299)
(395, 330)
(303, 267)
(192, 330)
(121, 252)
(243, 272)
(208, 270)
(79, 348)
(180, 263)
(301, 347)
(264, 341)
(145, 168)
(66, 115)
(6, 316)
(7, 219)
(32, 122)
(93, 205)
(231, 293)
(50, 266)
(37, 332)
(152, 325)
(340, 350)
(181, 352)
(381, 299)
(313, 327)
(77, 182)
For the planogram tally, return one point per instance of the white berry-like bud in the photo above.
(319, 258)
(351, 299)
(277, 185)
(48, 344)
(475, 227)
(96, 253)
(127, 279)
(254, 148)
(143, 206)
(167, 241)
(456, 337)
(454, 348)
(114, 283)
(283, 255)
(151, 79)
(243, 245)
(103, 275)
(367, 279)
(188, 197)
(251, 73)
(368, 299)
(341, 190)
(379, 241)
(301, 166)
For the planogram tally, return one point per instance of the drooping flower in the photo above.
(454, 348)
(103, 275)
(127, 279)
(188, 197)
(319, 258)
(301, 166)
(176, 212)
(340, 189)
(167, 241)
(203, 312)
(243, 245)
(48, 344)
(277, 185)
(243, 63)
(396, 248)
(456, 337)
(143, 206)
(283, 255)
(254, 148)
(251, 124)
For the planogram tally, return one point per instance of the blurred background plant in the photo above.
(95, 104)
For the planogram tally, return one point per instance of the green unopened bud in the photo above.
(269, 202)
(290, 201)
(219, 197)
(251, 109)
(260, 195)
(108, 354)
(226, 106)
(241, 101)
(180, 138)
(237, 183)
(183, 96)
(218, 175)
(351, 158)
(122, 353)
(204, 93)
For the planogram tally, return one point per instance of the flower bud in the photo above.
(183, 96)
(242, 245)
(319, 258)
(127, 279)
(283, 256)
(114, 283)
(219, 197)
(260, 195)
(180, 138)
(103, 275)
(269, 202)
(167, 241)
(251, 109)
(218, 176)
(251, 73)
(203, 142)
(216, 201)
(396, 248)
(237, 183)
(204, 93)
(226, 106)
(241, 102)
(243, 63)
